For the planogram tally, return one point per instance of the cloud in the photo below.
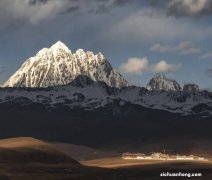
(33, 11)
(164, 67)
(135, 66)
(102, 9)
(182, 8)
(207, 55)
(141, 27)
(122, 2)
(34, 2)
(71, 9)
(105, 6)
(140, 65)
(185, 47)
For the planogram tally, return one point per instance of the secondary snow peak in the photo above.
(161, 82)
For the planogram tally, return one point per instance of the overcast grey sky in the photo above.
(139, 37)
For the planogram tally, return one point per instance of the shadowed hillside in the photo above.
(24, 150)
(131, 127)
(28, 158)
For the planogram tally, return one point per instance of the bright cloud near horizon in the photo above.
(163, 67)
(135, 66)
(139, 37)
(142, 65)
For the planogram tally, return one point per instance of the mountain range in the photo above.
(56, 77)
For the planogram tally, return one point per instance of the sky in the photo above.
(139, 37)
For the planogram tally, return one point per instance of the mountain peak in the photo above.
(80, 54)
(55, 48)
(161, 82)
(59, 45)
(58, 66)
(160, 76)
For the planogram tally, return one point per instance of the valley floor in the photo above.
(150, 169)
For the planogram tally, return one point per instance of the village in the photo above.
(161, 156)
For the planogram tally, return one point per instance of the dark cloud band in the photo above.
(34, 2)
(194, 8)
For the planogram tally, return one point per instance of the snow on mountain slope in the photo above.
(161, 82)
(58, 66)
(88, 94)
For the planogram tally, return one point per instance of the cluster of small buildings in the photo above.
(161, 156)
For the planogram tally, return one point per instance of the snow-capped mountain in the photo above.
(57, 77)
(161, 82)
(57, 65)
(84, 93)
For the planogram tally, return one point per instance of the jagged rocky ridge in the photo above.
(59, 66)
(84, 93)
